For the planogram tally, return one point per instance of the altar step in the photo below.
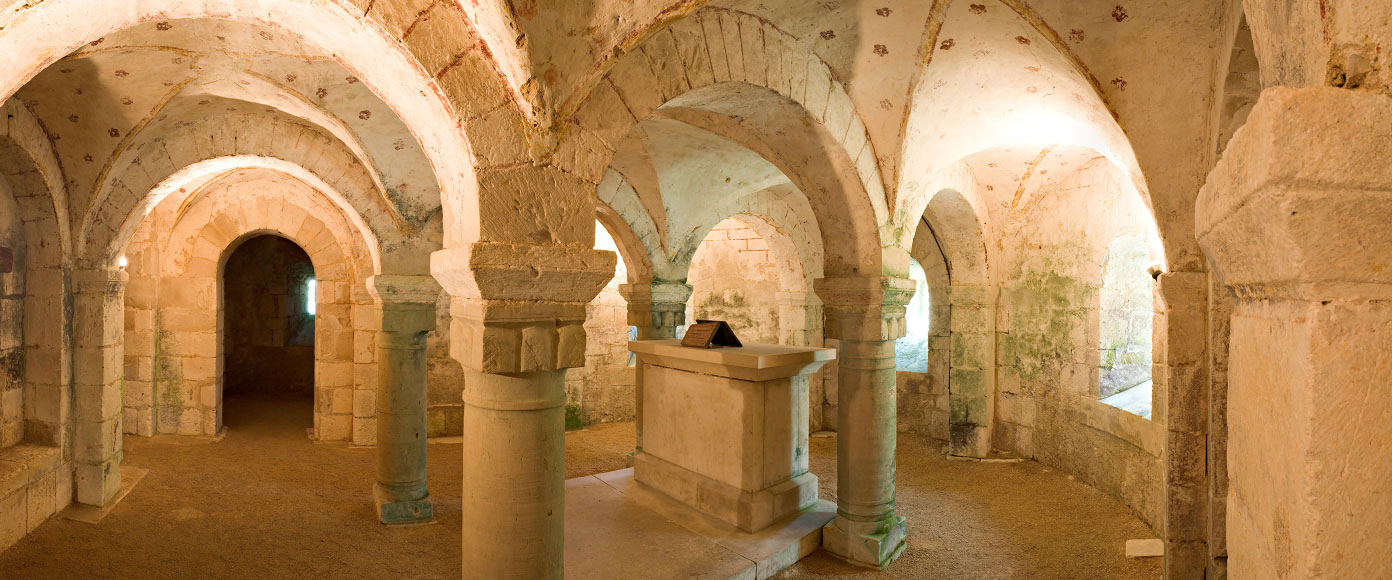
(616, 529)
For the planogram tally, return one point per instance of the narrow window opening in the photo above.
(1124, 379)
(911, 350)
(311, 296)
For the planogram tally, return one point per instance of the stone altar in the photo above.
(725, 430)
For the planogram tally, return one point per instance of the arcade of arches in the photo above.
(1115, 270)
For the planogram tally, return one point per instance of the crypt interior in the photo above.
(398, 288)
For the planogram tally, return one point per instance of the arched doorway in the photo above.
(267, 335)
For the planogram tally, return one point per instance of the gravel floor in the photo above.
(265, 502)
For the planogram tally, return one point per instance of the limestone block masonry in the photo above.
(1295, 219)
(726, 428)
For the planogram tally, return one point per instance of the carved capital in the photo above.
(520, 308)
(656, 305)
(390, 289)
(109, 282)
(864, 308)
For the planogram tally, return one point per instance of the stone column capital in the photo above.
(864, 308)
(656, 293)
(520, 308)
(1276, 220)
(393, 288)
(104, 281)
(1181, 290)
(408, 307)
(502, 272)
(658, 305)
(973, 295)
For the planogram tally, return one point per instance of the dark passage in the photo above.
(268, 325)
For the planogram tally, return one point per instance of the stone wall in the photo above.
(172, 331)
(1048, 323)
(12, 265)
(603, 390)
(444, 380)
(734, 278)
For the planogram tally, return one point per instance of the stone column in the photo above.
(971, 383)
(1294, 219)
(1181, 404)
(866, 315)
(408, 313)
(98, 371)
(657, 309)
(1220, 309)
(517, 322)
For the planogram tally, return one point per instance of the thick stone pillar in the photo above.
(971, 383)
(98, 372)
(656, 309)
(408, 313)
(1181, 403)
(1220, 309)
(1295, 220)
(866, 315)
(517, 322)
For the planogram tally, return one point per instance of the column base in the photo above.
(871, 544)
(97, 484)
(394, 512)
(969, 440)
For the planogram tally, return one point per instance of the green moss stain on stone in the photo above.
(1048, 309)
(168, 381)
(574, 418)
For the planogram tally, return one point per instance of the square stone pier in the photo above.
(724, 430)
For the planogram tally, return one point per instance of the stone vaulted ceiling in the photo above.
(130, 87)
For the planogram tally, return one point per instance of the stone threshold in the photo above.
(617, 528)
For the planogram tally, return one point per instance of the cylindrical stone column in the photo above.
(514, 475)
(867, 530)
(865, 314)
(518, 322)
(408, 313)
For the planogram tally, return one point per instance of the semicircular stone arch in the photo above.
(178, 275)
(696, 73)
(128, 194)
(423, 64)
(30, 171)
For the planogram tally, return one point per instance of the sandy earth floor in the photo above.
(303, 511)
